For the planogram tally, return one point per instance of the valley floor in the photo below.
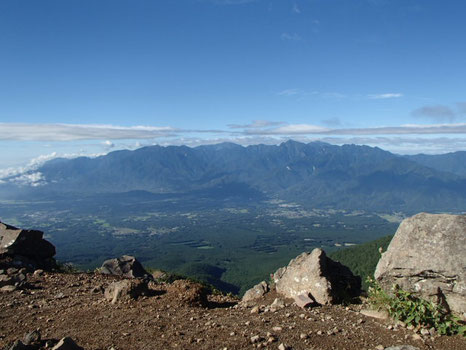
(71, 305)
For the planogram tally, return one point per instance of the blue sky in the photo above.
(86, 77)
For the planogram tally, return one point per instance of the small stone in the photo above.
(32, 337)
(319, 332)
(277, 329)
(303, 336)
(416, 337)
(277, 305)
(255, 339)
(97, 289)
(67, 344)
(381, 315)
(255, 310)
(11, 271)
(38, 272)
(303, 300)
(402, 347)
(247, 323)
(8, 289)
(59, 296)
(424, 331)
(379, 347)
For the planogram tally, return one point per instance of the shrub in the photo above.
(412, 310)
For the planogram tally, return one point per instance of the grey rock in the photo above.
(402, 347)
(427, 256)
(303, 300)
(255, 292)
(32, 337)
(255, 339)
(125, 290)
(29, 243)
(12, 271)
(6, 280)
(67, 344)
(126, 266)
(38, 272)
(277, 305)
(255, 310)
(9, 288)
(381, 315)
(318, 277)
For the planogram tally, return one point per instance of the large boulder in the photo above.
(316, 276)
(427, 255)
(25, 248)
(255, 292)
(126, 266)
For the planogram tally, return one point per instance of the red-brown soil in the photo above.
(69, 305)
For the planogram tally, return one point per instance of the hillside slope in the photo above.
(317, 175)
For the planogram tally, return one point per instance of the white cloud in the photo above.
(290, 130)
(296, 8)
(255, 124)
(291, 37)
(74, 132)
(301, 93)
(33, 179)
(385, 96)
(68, 132)
(108, 144)
(412, 129)
(31, 166)
(28, 173)
(290, 92)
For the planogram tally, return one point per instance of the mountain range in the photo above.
(317, 175)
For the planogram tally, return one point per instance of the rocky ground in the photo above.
(73, 305)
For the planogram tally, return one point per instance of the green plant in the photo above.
(412, 310)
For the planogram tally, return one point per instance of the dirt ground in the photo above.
(74, 305)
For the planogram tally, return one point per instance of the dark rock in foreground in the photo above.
(316, 276)
(25, 248)
(427, 255)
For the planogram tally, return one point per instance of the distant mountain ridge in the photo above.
(316, 175)
(451, 162)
